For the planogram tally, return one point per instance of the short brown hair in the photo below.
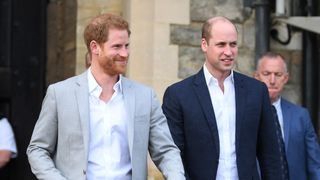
(207, 26)
(98, 28)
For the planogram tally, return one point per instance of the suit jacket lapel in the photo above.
(201, 90)
(82, 97)
(240, 93)
(286, 124)
(129, 100)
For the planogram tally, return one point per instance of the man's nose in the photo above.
(124, 52)
(227, 50)
(272, 79)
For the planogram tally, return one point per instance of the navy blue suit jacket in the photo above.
(301, 142)
(188, 108)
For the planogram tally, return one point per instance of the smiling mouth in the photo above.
(227, 60)
(273, 88)
(121, 61)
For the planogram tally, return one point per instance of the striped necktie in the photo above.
(284, 162)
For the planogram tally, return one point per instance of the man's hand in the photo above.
(5, 156)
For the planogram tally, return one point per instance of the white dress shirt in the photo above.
(277, 105)
(109, 156)
(225, 112)
(7, 141)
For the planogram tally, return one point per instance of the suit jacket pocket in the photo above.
(141, 132)
(75, 148)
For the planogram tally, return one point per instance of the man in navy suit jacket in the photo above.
(220, 119)
(301, 142)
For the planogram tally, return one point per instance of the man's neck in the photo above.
(106, 82)
(275, 100)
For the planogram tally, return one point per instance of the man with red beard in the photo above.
(100, 125)
(221, 120)
(301, 142)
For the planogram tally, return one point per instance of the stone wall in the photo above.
(61, 46)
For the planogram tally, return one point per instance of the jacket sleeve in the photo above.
(163, 151)
(44, 139)
(312, 148)
(172, 111)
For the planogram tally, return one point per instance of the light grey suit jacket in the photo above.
(59, 144)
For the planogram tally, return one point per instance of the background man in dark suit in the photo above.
(301, 142)
(220, 119)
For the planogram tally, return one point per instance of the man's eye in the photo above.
(221, 45)
(234, 44)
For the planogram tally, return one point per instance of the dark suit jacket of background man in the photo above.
(301, 142)
(192, 123)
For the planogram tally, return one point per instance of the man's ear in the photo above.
(256, 75)
(204, 45)
(286, 78)
(95, 48)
